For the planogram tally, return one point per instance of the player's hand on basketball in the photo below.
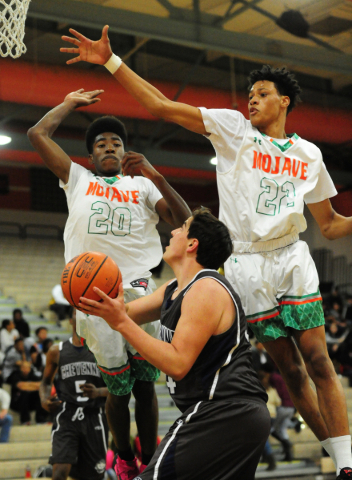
(87, 50)
(80, 98)
(52, 403)
(89, 390)
(136, 164)
(112, 310)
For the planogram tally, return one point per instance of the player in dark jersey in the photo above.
(205, 352)
(80, 432)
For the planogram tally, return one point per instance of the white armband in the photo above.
(113, 64)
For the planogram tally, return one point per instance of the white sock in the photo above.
(326, 444)
(342, 451)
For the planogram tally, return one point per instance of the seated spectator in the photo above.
(348, 315)
(8, 335)
(25, 394)
(260, 356)
(335, 298)
(20, 323)
(334, 315)
(39, 359)
(59, 304)
(334, 334)
(284, 412)
(14, 357)
(5, 418)
(343, 356)
(272, 404)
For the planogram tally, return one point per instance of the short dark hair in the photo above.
(5, 323)
(102, 125)
(39, 329)
(285, 82)
(215, 245)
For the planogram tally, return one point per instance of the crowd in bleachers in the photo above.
(338, 330)
(22, 361)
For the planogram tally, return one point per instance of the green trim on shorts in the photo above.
(120, 380)
(299, 317)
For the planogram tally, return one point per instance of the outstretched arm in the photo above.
(99, 52)
(171, 208)
(40, 135)
(332, 225)
(207, 310)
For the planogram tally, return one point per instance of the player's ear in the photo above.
(90, 159)
(285, 101)
(192, 245)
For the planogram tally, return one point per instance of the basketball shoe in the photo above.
(126, 470)
(345, 474)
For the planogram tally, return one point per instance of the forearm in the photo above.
(145, 94)
(178, 208)
(339, 227)
(28, 386)
(49, 123)
(103, 392)
(44, 391)
(161, 354)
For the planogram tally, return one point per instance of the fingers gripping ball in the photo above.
(88, 270)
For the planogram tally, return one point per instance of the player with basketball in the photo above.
(115, 212)
(205, 352)
(264, 178)
(80, 431)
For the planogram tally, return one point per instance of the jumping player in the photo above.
(205, 352)
(114, 213)
(264, 178)
(80, 431)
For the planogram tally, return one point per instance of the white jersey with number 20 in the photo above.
(115, 216)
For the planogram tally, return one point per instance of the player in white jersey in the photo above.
(264, 177)
(115, 212)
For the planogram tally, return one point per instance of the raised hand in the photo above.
(97, 52)
(136, 164)
(80, 98)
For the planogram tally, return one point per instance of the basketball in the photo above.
(88, 270)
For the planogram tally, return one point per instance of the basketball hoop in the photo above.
(13, 15)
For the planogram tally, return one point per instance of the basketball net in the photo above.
(13, 15)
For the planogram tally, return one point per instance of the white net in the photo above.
(13, 15)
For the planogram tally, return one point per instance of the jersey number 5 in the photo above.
(105, 220)
(274, 197)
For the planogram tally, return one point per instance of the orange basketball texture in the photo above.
(88, 270)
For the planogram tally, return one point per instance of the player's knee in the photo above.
(144, 391)
(117, 401)
(295, 376)
(60, 473)
(320, 366)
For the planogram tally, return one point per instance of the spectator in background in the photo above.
(14, 357)
(20, 323)
(335, 297)
(348, 315)
(284, 411)
(59, 304)
(343, 355)
(260, 356)
(39, 359)
(8, 335)
(25, 394)
(5, 418)
(334, 334)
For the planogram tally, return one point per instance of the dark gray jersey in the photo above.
(77, 366)
(223, 370)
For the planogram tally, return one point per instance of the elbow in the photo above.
(34, 133)
(161, 109)
(178, 373)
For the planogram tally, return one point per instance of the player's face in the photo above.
(107, 154)
(265, 104)
(178, 242)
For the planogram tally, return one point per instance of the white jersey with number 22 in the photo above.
(263, 183)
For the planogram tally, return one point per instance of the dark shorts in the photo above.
(79, 437)
(212, 441)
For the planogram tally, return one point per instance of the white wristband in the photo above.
(113, 64)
